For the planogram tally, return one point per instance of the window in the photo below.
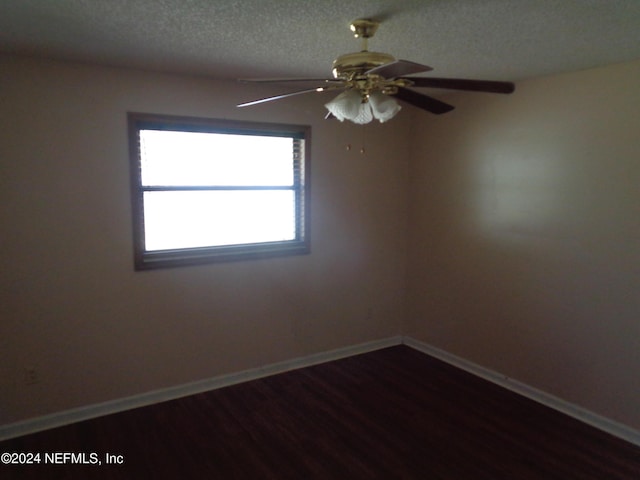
(214, 190)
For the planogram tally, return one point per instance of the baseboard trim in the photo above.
(88, 412)
(74, 415)
(605, 424)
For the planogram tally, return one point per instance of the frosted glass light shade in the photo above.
(350, 106)
(383, 106)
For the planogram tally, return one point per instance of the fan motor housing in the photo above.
(357, 63)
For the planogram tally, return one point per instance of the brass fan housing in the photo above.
(364, 27)
(351, 65)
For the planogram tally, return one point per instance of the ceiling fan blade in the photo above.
(287, 80)
(398, 68)
(463, 84)
(290, 94)
(424, 102)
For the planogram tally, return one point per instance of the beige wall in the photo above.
(71, 304)
(525, 239)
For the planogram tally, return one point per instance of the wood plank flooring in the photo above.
(391, 414)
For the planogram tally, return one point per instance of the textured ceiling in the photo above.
(489, 39)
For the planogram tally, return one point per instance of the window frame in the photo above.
(151, 259)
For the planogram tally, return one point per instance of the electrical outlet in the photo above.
(31, 376)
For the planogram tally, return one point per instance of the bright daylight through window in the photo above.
(210, 190)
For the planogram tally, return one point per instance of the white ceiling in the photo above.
(486, 39)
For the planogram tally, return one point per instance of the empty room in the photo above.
(293, 239)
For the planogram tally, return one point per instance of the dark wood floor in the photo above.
(391, 414)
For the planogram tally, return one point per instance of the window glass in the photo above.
(210, 190)
(198, 158)
(214, 218)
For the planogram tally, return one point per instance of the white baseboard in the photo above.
(67, 417)
(610, 426)
(97, 410)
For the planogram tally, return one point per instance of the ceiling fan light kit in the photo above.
(350, 105)
(372, 81)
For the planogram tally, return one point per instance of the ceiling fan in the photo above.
(371, 81)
